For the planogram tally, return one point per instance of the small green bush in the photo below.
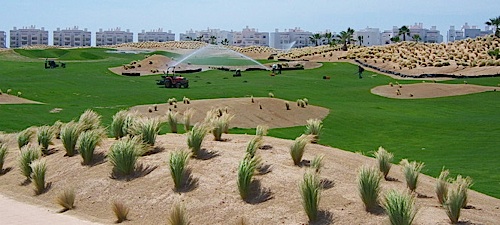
(246, 170)
(411, 171)
(29, 153)
(442, 185)
(178, 167)
(369, 187)
(66, 199)
(44, 137)
(147, 129)
(400, 207)
(89, 120)
(310, 190)
(220, 125)
(178, 215)
(313, 128)
(195, 138)
(24, 137)
(3, 153)
(123, 155)
(87, 142)
(39, 168)
(297, 149)
(384, 159)
(120, 210)
(69, 137)
(172, 121)
(118, 128)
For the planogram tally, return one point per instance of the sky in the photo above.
(263, 15)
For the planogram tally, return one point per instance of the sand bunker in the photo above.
(247, 114)
(429, 90)
(11, 99)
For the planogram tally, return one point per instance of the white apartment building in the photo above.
(250, 37)
(213, 36)
(426, 35)
(385, 37)
(291, 38)
(467, 31)
(72, 37)
(2, 39)
(156, 36)
(28, 36)
(113, 37)
(369, 37)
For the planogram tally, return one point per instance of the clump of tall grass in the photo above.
(89, 120)
(178, 167)
(195, 138)
(3, 154)
(123, 155)
(178, 215)
(310, 190)
(172, 101)
(298, 147)
(384, 159)
(400, 207)
(261, 130)
(29, 153)
(186, 100)
(411, 171)
(87, 142)
(313, 128)
(219, 125)
(44, 137)
(246, 170)
(120, 210)
(253, 145)
(69, 136)
(147, 129)
(186, 118)
(463, 183)
(453, 204)
(172, 121)
(118, 125)
(442, 185)
(317, 163)
(39, 168)
(24, 137)
(287, 105)
(369, 187)
(66, 199)
(271, 95)
(301, 103)
(56, 128)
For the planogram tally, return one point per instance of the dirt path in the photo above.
(429, 90)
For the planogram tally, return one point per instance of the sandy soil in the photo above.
(11, 99)
(247, 114)
(429, 90)
(215, 199)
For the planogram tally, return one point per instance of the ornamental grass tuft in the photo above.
(369, 187)
(44, 137)
(195, 138)
(411, 171)
(39, 168)
(24, 137)
(123, 155)
(178, 215)
(69, 137)
(310, 190)
(66, 199)
(297, 149)
(172, 121)
(29, 153)
(186, 119)
(87, 142)
(89, 120)
(442, 185)
(120, 210)
(384, 159)
(178, 167)
(3, 154)
(400, 207)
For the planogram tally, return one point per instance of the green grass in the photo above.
(358, 120)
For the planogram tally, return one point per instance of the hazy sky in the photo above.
(265, 15)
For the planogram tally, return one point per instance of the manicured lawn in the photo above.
(460, 133)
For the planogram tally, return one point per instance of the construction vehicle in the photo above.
(170, 80)
(51, 64)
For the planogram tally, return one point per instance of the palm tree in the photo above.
(416, 38)
(404, 31)
(360, 40)
(395, 39)
(213, 40)
(315, 38)
(496, 23)
(346, 38)
(225, 42)
(328, 36)
(351, 32)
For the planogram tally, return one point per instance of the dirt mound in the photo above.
(247, 114)
(154, 64)
(428, 90)
(11, 99)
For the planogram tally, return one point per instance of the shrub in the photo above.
(400, 207)
(369, 187)
(287, 105)
(306, 101)
(120, 210)
(301, 103)
(172, 121)
(56, 128)
(297, 149)
(186, 100)
(411, 171)
(178, 167)
(317, 163)
(29, 153)
(453, 204)
(44, 136)
(69, 136)
(118, 128)
(271, 95)
(89, 120)
(87, 143)
(219, 125)
(147, 129)
(261, 130)
(66, 199)
(39, 167)
(187, 115)
(195, 138)
(310, 190)
(463, 186)
(178, 215)
(442, 185)
(123, 155)
(24, 137)
(246, 171)
(384, 159)
(313, 128)
(253, 145)
(3, 153)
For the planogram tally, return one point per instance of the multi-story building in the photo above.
(250, 37)
(369, 37)
(113, 37)
(467, 31)
(28, 36)
(287, 39)
(386, 36)
(72, 37)
(454, 35)
(156, 35)
(2, 39)
(212, 36)
(426, 35)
